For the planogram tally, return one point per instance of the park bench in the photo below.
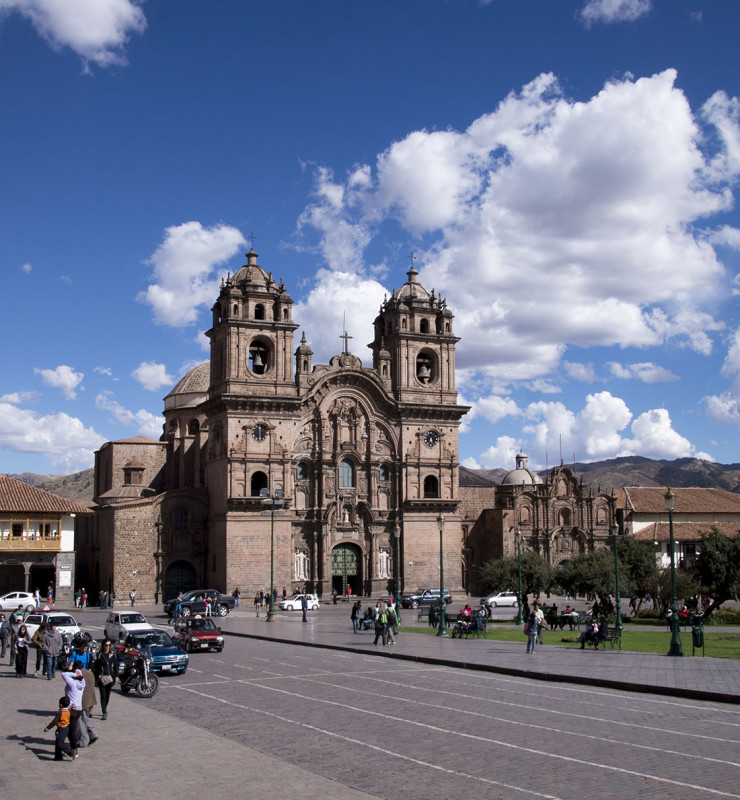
(614, 638)
(477, 630)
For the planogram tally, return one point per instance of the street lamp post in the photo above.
(675, 648)
(397, 535)
(442, 630)
(274, 499)
(618, 599)
(518, 540)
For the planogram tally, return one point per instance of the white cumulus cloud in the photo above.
(145, 423)
(647, 372)
(152, 376)
(551, 222)
(97, 30)
(64, 440)
(62, 377)
(608, 11)
(185, 270)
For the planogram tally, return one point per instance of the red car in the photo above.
(199, 633)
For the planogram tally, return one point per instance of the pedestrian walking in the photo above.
(22, 643)
(88, 734)
(349, 594)
(356, 616)
(381, 625)
(390, 625)
(37, 598)
(132, 597)
(334, 594)
(304, 607)
(74, 686)
(51, 644)
(4, 635)
(37, 639)
(62, 722)
(257, 602)
(236, 594)
(106, 672)
(531, 629)
(14, 623)
(50, 596)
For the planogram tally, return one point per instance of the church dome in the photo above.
(253, 275)
(412, 289)
(521, 475)
(191, 389)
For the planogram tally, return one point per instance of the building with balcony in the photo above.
(37, 540)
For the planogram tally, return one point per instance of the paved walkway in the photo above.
(144, 752)
(715, 679)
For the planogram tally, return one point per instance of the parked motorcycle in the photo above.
(135, 673)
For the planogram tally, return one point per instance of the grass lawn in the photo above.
(716, 645)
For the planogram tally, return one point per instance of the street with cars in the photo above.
(391, 728)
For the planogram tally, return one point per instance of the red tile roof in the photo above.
(17, 497)
(651, 500)
(684, 531)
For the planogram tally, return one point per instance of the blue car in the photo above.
(166, 656)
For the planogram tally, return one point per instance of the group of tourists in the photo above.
(381, 617)
(81, 670)
(74, 729)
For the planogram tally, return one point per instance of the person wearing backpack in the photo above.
(381, 626)
(392, 622)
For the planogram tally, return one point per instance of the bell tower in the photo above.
(252, 335)
(414, 345)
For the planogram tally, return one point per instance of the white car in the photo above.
(295, 603)
(500, 599)
(11, 601)
(64, 622)
(119, 624)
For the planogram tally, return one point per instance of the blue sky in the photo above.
(564, 171)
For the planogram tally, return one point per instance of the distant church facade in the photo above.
(359, 455)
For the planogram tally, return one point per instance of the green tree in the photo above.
(686, 587)
(502, 575)
(591, 572)
(717, 567)
(638, 571)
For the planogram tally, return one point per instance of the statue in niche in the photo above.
(384, 563)
(345, 514)
(301, 565)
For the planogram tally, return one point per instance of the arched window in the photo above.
(194, 427)
(564, 517)
(431, 486)
(346, 474)
(385, 473)
(301, 471)
(236, 309)
(424, 326)
(180, 519)
(424, 368)
(285, 313)
(258, 482)
(258, 358)
(259, 311)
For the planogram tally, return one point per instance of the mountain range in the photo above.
(613, 473)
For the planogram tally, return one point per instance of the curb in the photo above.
(625, 686)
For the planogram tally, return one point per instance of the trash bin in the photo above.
(697, 632)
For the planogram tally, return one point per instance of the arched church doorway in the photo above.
(180, 577)
(346, 568)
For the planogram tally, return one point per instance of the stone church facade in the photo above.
(359, 454)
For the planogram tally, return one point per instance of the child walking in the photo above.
(62, 720)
